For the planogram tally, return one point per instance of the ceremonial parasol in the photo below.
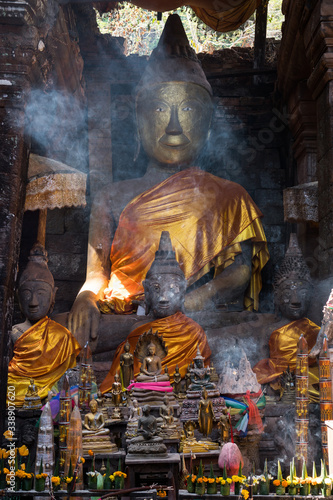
(52, 184)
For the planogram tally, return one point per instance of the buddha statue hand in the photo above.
(83, 319)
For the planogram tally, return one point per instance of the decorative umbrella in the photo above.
(52, 184)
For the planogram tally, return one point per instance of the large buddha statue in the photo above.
(43, 349)
(164, 299)
(292, 292)
(214, 224)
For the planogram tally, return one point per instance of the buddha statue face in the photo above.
(93, 406)
(36, 299)
(293, 298)
(164, 294)
(173, 121)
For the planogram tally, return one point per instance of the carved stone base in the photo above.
(98, 444)
(147, 448)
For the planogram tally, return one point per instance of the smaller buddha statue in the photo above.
(151, 369)
(200, 376)
(205, 414)
(213, 374)
(190, 444)
(34, 352)
(147, 441)
(116, 391)
(177, 381)
(94, 421)
(32, 400)
(127, 365)
(166, 413)
(135, 412)
(95, 436)
(224, 426)
(188, 377)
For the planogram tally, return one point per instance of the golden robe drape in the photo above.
(227, 20)
(207, 217)
(283, 349)
(43, 352)
(182, 336)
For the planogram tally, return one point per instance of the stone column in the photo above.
(318, 41)
(16, 52)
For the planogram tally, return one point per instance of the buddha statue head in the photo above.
(165, 283)
(173, 101)
(36, 291)
(292, 283)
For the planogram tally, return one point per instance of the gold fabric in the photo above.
(207, 217)
(181, 335)
(283, 349)
(227, 20)
(43, 352)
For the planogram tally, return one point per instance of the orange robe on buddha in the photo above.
(181, 334)
(207, 218)
(283, 350)
(43, 352)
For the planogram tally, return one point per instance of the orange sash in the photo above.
(43, 352)
(207, 217)
(182, 336)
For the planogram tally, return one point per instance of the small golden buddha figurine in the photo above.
(190, 444)
(116, 391)
(205, 414)
(127, 365)
(224, 426)
(166, 413)
(151, 369)
(95, 436)
(177, 381)
(94, 421)
(31, 398)
(135, 412)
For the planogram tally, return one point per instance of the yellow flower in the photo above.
(91, 453)
(229, 480)
(193, 478)
(4, 453)
(29, 475)
(161, 493)
(200, 480)
(82, 460)
(211, 480)
(245, 494)
(23, 466)
(23, 451)
(55, 480)
(112, 477)
(8, 434)
(5, 470)
(69, 479)
(222, 481)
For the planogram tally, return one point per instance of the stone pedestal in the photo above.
(155, 469)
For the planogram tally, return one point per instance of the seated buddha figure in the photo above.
(214, 224)
(95, 436)
(292, 293)
(43, 349)
(151, 368)
(164, 287)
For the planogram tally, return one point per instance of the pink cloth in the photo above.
(152, 386)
